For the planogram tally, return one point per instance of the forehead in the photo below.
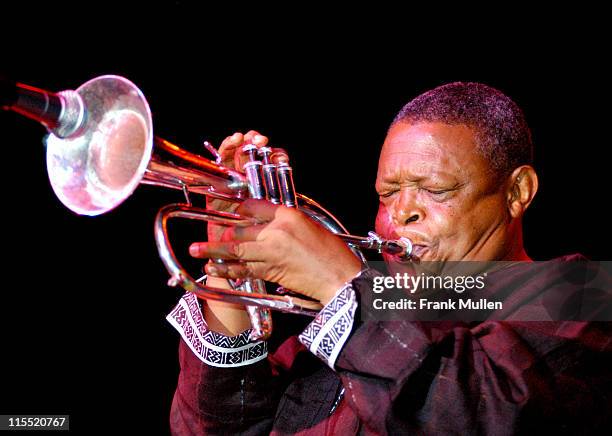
(425, 149)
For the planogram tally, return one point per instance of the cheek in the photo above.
(443, 222)
(383, 222)
(459, 224)
(438, 222)
(443, 218)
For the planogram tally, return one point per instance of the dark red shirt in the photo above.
(406, 377)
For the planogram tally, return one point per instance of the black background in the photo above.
(83, 300)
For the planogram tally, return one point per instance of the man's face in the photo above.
(437, 190)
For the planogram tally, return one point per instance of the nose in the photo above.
(407, 209)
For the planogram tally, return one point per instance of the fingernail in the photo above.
(194, 249)
(258, 138)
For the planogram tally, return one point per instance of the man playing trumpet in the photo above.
(455, 176)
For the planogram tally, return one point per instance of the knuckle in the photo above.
(237, 249)
(248, 137)
(261, 141)
(290, 216)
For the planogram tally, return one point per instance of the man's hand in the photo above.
(287, 248)
(232, 157)
(221, 316)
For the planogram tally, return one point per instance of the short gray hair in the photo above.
(503, 136)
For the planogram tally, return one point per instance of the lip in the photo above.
(420, 245)
(417, 238)
(418, 250)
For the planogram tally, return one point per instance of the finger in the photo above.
(220, 250)
(236, 270)
(230, 270)
(228, 147)
(255, 138)
(242, 234)
(279, 155)
(247, 251)
(251, 137)
(263, 210)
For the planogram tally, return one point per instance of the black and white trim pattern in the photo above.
(326, 334)
(211, 347)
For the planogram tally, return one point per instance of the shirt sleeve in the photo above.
(327, 333)
(210, 347)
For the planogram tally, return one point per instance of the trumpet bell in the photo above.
(95, 170)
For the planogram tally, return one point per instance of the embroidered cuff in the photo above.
(211, 347)
(326, 334)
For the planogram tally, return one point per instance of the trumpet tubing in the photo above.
(101, 147)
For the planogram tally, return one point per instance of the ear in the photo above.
(522, 186)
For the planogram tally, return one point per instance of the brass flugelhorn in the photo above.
(101, 146)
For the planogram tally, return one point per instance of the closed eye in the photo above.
(387, 194)
(437, 192)
(439, 195)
